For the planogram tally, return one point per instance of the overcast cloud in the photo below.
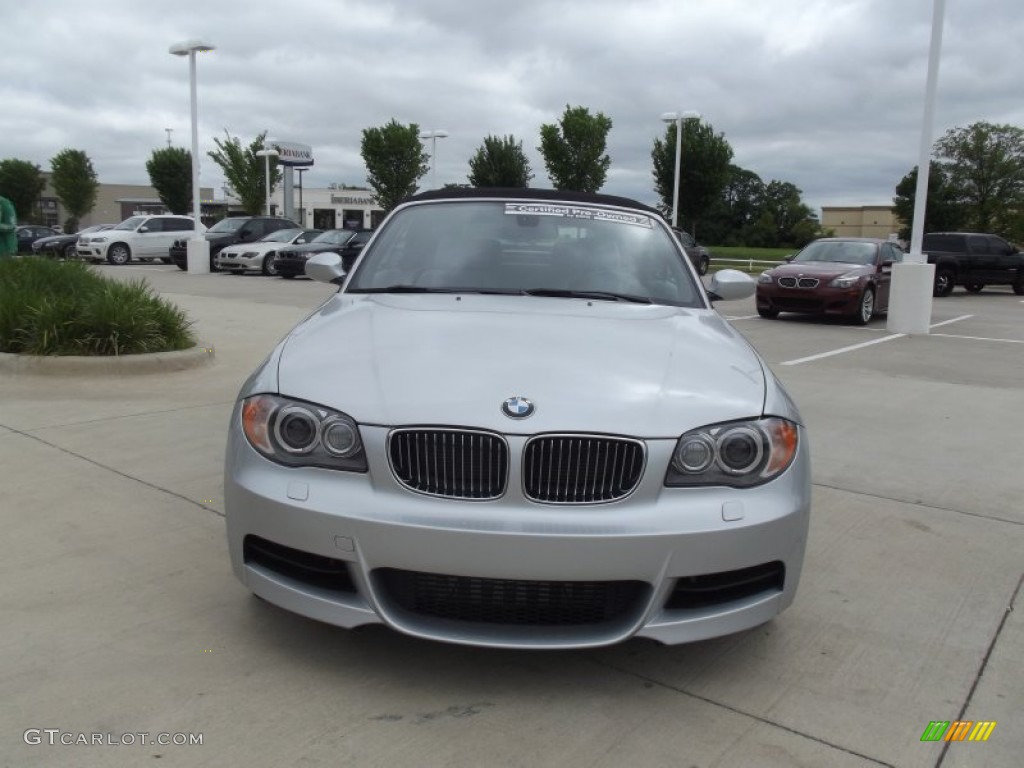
(825, 94)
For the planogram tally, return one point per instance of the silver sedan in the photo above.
(520, 423)
(259, 256)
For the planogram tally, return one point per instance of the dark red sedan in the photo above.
(842, 276)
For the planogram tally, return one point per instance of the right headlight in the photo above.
(301, 434)
(737, 454)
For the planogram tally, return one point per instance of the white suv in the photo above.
(139, 237)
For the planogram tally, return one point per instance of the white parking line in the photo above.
(852, 347)
(978, 338)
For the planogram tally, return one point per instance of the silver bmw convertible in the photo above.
(520, 423)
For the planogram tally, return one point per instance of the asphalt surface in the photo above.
(121, 616)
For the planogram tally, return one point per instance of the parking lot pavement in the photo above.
(122, 616)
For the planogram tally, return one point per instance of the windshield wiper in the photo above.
(561, 293)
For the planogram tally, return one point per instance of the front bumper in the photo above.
(818, 301)
(350, 549)
(231, 261)
(290, 265)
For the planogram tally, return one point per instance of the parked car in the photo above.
(231, 231)
(259, 256)
(142, 238)
(65, 246)
(520, 423)
(845, 276)
(973, 260)
(698, 254)
(27, 234)
(347, 243)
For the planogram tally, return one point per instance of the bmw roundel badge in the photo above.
(517, 408)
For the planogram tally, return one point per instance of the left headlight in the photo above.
(301, 434)
(765, 277)
(737, 454)
(845, 281)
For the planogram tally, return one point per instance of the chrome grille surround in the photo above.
(450, 462)
(581, 468)
(802, 282)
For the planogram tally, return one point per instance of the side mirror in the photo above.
(325, 268)
(143, 229)
(790, 257)
(731, 284)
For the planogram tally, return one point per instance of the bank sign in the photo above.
(292, 153)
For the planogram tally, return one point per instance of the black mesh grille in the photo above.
(581, 469)
(716, 588)
(314, 570)
(456, 464)
(510, 601)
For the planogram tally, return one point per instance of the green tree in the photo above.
(245, 172)
(782, 201)
(574, 150)
(22, 183)
(75, 183)
(500, 162)
(737, 208)
(704, 169)
(395, 160)
(170, 173)
(942, 212)
(985, 164)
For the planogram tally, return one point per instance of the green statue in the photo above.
(8, 225)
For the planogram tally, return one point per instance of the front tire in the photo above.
(944, 282)
(119, 254)
(1018, 287)
(70, 251)
(268, 267)
(702, 268)
(865, 307)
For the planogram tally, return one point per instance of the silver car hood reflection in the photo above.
(592, 366)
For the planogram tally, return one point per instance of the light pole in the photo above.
(433, 136)
(268, 153)
(198, 249)
(677, 118)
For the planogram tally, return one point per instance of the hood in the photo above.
(820, 269)
(447, 359)
(308, 249)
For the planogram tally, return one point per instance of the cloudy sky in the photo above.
(827, 94)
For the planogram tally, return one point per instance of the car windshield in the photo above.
(227, 225)
(334, 237)
(130, 224)
(528, 247)
(838, 252)
(281, 236)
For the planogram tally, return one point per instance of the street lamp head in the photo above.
(687, 114)
(438, 134)
(267, 153)
(191, 46)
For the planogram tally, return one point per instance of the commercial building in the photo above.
(861, 221)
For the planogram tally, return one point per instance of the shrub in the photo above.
(54, 308)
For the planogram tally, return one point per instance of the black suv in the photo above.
(973, 260)
(229, 231)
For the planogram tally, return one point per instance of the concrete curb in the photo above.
(120, 365)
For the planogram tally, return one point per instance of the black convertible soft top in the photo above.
(531, 193)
